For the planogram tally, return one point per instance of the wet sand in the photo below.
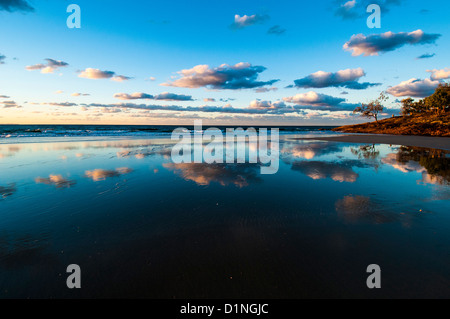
(147, 227)
(407, 140)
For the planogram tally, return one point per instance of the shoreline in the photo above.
(436, 142)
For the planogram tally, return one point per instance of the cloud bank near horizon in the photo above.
(165, 96)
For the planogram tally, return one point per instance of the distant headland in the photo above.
(429, 116)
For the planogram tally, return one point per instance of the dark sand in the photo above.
(407, 140)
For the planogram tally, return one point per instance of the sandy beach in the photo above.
(442, 143)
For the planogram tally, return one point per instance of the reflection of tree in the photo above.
(436, 162)
(6, 191)
(367, 152)
(240, 175)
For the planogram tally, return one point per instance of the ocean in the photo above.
(20, 131)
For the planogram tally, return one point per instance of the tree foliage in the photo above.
(437, 103)
(373, 108)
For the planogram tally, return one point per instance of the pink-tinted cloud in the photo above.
(414, 87)
(379, 43)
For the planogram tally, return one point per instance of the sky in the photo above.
(230, 62)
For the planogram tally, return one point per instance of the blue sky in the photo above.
(150, 43)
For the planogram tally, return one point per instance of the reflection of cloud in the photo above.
(102, 174)
(410, 166)
(6, 191)
(164, 150)
(119, 144)
(123, 154)
(10, 151)
(303, 152)
(56, 180)
(310, 150)
(432, 179)
(239, 175)
(321, 170)
(362, 208)
(433, 168)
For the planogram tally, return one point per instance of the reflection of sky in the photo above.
(240, 175)
(108, 192)
(62, 164)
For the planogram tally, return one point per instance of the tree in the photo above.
(409, 107)
(439, 101)
(373, 108)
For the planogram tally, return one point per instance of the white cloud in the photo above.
(439, 74)
(377, 43)
(414, 87)
(232, 77)
(91, 73)
(49, 67)
(347, 78)
(245, 20)
(313, 98)
(258, 104)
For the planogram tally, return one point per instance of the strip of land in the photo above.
(425, 124)
(442, 143)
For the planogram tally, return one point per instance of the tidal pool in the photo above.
(139, 225)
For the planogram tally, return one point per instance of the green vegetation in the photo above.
(438, 103)
(436, 162)
(428, 116)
